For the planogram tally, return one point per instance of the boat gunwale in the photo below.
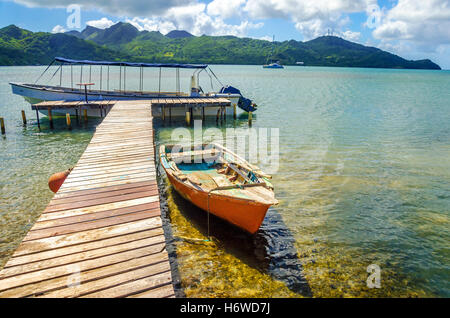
(211, 193)
(115, 93)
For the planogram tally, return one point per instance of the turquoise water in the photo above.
(363, 179)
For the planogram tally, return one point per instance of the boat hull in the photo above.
(37, 93)
(245, 214)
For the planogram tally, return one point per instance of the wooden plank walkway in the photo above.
(190, 101)
(101, 235)
(171, 102)
(62, 104)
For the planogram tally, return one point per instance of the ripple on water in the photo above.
(363, 179)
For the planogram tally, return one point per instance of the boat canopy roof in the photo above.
(165, 65)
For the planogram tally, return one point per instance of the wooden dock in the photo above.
(101, 235)
(159, 102)
(161, 107)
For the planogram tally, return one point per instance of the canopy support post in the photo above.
(81, 74)
(90, 75)
(143, 70)
(107, 83)
(44, 71)
(159, 89)
(124, 78)
(178, 81)
(101, 76)
(120, 77)
(140, 78)
(60, 75)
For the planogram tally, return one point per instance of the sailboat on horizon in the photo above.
(273, 64)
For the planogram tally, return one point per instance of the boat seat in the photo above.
(208, 181)
(190, 156)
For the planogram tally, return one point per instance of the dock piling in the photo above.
(50, 117)
(188, 116)
(218, 115)
(190, 105)
(250, 118)
(234, 111)
(37, 117)
(24, 118)
(79, 115)
(2, 125)
(69, 124)
(85, 115)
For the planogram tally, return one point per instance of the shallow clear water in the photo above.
(363, 179)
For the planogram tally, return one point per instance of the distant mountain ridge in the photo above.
(178, 34)
(23, 47)
(124, 41)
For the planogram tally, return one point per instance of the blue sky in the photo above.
(414, 29)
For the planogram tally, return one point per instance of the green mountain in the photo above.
(23, 47)
(176, 34)
(124, 41)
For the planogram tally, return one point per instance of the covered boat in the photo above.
(113, 86)
(219, 182)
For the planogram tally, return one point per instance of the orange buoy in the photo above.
(57, 179)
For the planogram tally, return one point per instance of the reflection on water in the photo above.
(363, 179)
(28, 158)
(230, 262)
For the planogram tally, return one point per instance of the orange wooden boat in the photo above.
(219, 182)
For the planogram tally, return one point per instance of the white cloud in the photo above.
(164, 15)
(311, 18)
(318, 27)
(194, 19)
(58, 29)
(149, 24)
(225, 9)
(114, 7)
(416, 20)
(103, 23)
(417, 29)
(302, 10)
(351, 35)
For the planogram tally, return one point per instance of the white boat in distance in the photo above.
(35, 93)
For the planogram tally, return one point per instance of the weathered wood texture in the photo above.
(101, 235)
(170, 102)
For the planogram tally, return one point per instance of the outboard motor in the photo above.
(243, 103)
